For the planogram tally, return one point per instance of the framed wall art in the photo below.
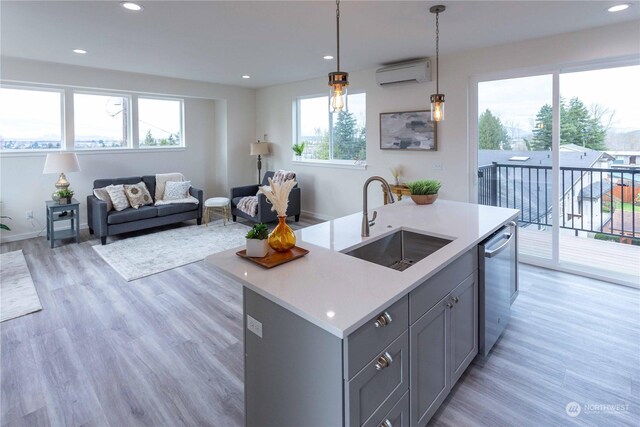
(408, 130)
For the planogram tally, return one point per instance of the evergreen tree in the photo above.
(492, 135)
(349, 142)
(577, 126)
(148, 139)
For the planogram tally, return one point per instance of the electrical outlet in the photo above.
(28, 214)
(254, 326)
(438, 166)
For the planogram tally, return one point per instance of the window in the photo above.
(30, 119)
(159, 122)
(328, 136)
(101, 121)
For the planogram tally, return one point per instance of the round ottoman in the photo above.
(213, 203)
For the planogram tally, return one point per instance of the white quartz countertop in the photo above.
(338, 292)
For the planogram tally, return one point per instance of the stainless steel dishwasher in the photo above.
(498, 275)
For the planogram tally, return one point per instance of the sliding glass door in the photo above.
(513, 171)
(577, 187)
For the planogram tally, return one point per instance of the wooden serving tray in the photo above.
(274, 258)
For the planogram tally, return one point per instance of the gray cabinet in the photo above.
(396, 369)
(429, 363)
(464, 326)
(443, 343)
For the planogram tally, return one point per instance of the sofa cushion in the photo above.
(130, 214)
(138, 195)
(150, 182)
(103, 194)
(118, 198)
(175, 208)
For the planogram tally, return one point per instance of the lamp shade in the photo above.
(61, 163)
(259, 148)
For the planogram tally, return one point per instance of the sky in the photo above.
(517, 101)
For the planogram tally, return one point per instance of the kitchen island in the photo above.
(331, 339)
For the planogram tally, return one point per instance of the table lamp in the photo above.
(61, 163)
(259, 149)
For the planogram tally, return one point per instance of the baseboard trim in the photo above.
(32, 234)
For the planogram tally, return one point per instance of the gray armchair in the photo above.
(265, 214)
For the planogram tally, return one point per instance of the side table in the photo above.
(55, 214)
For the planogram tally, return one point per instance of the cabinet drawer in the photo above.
(378, 384)
(398, 416)
(425, 296)
(365, 343)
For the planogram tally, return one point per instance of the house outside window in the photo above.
(31, 119)
(332, 137)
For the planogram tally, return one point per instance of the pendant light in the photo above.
(437, 99)
(338, 80)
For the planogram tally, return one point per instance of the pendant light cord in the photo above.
(437, 52)
(338, 33)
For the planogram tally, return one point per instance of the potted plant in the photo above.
(298, 148)
(64, 196)
(397, 172)
(4, 226)
(257, 243)
(424, 191)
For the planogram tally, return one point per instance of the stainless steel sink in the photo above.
(399, 250)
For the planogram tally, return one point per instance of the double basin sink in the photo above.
(399, 250)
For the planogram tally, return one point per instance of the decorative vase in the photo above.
(257, 248)
(282, 237)
(424, 199)
(64, 200)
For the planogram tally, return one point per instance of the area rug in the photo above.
(141, 256)
(18, 294)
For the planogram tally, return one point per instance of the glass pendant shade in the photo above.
(338, 82)
(437, 107)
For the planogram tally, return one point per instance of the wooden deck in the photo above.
(619, 261)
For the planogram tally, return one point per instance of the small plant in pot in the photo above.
(257, 243)
(298, 148)
(424, 191)
(64, 196)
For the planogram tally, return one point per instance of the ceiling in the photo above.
(276, 41)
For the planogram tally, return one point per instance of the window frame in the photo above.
(129, 99)
(63, 118)
(338, 163)
(67, 117)
(182, 122)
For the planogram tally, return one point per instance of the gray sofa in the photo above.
(105, 223)
(265, 214)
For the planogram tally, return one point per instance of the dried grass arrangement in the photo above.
(278, 195)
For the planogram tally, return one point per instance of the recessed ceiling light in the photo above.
(327, 57)
(80, 51)
(618, 7)
(132, 6)
(246, 76)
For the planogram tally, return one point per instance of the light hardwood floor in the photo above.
(166, 350)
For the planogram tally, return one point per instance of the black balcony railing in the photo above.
(605, 201)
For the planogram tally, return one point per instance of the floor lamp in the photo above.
(259, 149)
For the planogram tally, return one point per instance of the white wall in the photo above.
(331, 192)
(217, 138)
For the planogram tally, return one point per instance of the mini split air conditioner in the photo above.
(404, 72)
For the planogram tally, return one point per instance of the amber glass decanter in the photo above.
(282, 237)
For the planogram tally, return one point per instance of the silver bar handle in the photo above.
(493, 252)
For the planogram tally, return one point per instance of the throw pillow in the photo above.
(102, 194)
(176, 190)
(118, 198)
(138, 195)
